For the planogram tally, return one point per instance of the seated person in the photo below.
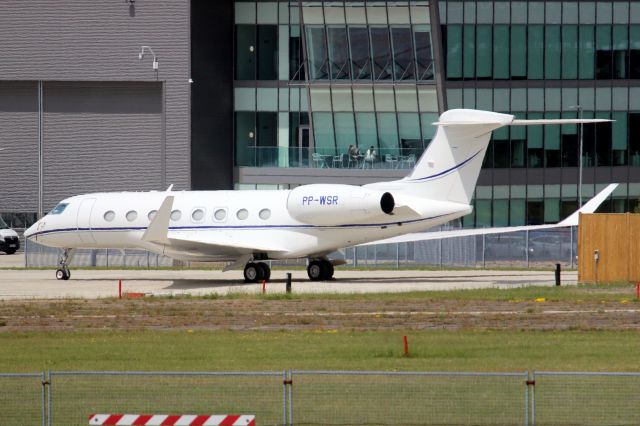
(371, 154)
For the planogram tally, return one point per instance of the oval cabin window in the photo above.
(197, 215)
(242, 214)
(132, 215)
(220, 214)
(265, 214)
(109, 216)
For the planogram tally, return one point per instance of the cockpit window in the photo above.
(59, 208)
(3, 224)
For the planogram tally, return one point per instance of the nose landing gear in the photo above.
(63, 272)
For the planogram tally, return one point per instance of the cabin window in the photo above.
(220, 214)
(265, 214)
(197, 215)
(242, 214)
(176, 215)
(152, 214)
(59, 208)
(109, 216)
(132, 215)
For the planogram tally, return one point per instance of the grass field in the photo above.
(339, 350)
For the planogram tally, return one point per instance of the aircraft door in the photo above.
(84, 221)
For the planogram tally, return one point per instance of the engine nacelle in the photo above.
(337, 204)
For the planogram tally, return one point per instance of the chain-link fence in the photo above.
(73, 396)
(22, 399)
(516, 249)
(562, 398)
(379, 398)
(328, 397)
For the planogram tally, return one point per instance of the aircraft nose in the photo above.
(31, 230)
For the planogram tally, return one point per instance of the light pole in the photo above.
(579, 108)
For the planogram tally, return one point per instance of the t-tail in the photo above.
(448, 170)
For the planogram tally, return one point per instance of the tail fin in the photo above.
(448, 170)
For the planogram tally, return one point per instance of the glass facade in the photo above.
(553, 59)
(316, 80)
(318, 84)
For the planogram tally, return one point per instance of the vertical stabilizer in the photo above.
(448, 170)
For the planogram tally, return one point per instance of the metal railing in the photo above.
(328, 397)
(328, 158)
(516, 249)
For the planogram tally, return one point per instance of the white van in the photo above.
(9, 241)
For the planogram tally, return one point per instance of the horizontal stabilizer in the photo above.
(559, 121)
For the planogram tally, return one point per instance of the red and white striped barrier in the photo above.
(171, 420)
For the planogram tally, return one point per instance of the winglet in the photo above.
(170, 188)
(159, 226)
(589, 207)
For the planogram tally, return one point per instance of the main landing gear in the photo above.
(256, 272)
(320, 270)
(63, 272)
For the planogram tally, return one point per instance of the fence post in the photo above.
(397, 255)
(484, 249)
(26, 252)
(531, 384)
(49, 419)
(44, 399)
(290, 398)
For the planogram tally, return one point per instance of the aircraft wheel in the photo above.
(266, 271)
(253, 273)
(63, 274)
(316, 270)
(328, 270)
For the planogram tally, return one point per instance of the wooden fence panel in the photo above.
(610, 235)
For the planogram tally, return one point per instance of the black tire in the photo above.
(328, 270)
(266, 271)
(11, 251)
(67, 274)
(316, 270)
(61, 275)
(253, 273)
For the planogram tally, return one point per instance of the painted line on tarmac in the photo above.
(435, 313)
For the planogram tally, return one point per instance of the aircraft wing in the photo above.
(220, 245)
(589, 207)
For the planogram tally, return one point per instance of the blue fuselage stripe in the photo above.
(237, 227)
(458, 166)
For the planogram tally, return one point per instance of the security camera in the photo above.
(155, 64)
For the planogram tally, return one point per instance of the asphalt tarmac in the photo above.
(42, 284)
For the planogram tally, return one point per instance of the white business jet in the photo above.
(310, 221)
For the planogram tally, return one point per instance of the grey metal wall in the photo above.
(19, 144)
(108, 124)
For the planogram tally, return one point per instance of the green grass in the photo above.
(339, 350)
(576, 293)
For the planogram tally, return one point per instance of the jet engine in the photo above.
(337, 204)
